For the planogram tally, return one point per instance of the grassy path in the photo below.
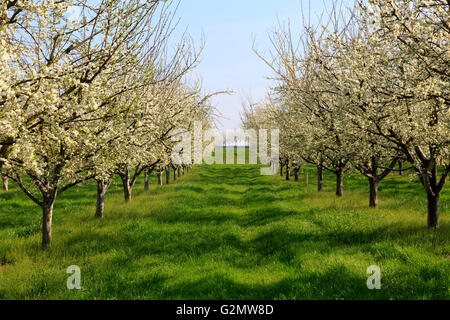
(225, 232)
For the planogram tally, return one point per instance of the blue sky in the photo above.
(228, 61)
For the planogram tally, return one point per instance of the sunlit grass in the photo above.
(225, 232)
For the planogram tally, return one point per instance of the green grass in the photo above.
(225, 232)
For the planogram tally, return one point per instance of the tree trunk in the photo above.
(127, 190)
(281, 171)
(373, 182)
(307, 178)
(433, 186)
(288, 173)
(319, 178)
(400, 166)
(174, 174)
(47, 219)
(296, 171)
(102, 188)
(127, 193)
(168, 175)
(160, 178)
(100, 208)
(5, 183)
(179, 172)
(433, 210)
(184, 170)
(340, 182)
(147, 180)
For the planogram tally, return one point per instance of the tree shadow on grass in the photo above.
(198, 217)
(332, 284)
(262, 216)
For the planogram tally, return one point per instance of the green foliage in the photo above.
(225, 232)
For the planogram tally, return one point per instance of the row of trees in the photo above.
(364, 90)
(91, 95)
